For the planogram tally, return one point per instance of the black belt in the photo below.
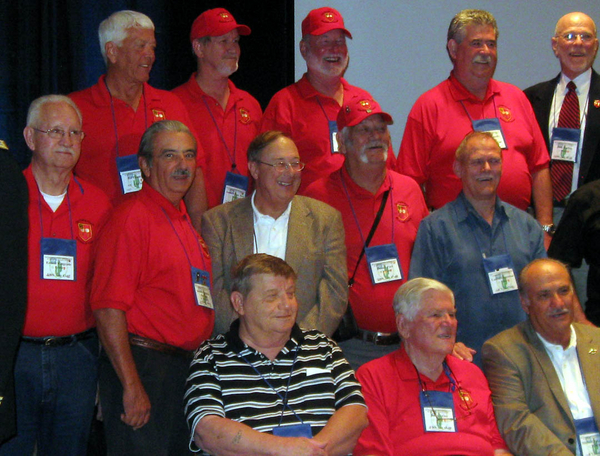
(152, 344)
(52, 341)
(378, 338)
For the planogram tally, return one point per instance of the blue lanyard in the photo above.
(229, 154)
(283, 398)
(322, 108)
(181, 242)
(114, 117)
(70, 213)
(448, 373)
(482, 108)
(354, 212)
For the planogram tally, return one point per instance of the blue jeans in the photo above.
(55, 395)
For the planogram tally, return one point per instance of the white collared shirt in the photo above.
(270, 235)
(567, 367)
(583, 89)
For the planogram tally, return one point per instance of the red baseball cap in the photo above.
(322, 20)
(357, 110)
(216, 22)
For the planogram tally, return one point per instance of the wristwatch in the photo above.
(550, 229)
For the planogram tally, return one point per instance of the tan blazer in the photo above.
(531, 408)
(315, 250)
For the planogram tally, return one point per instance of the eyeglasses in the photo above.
(281, 166)
(57, 133)
(572, 37)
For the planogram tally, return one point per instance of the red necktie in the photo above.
(562, 171)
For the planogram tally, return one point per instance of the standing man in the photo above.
(361, 188)
(543, 373)
(13, 281)
(121, 106)
(478, 244)
(151, 297)
(57, 362)
(568, 107)
(306, 233)
(227, 116)
(471, 100)
(307, 110)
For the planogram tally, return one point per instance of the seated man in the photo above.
(544, 372)
(299, 382)
(421, 397)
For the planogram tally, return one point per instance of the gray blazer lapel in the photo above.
(242, 229)
(299, 233)
(588, 350)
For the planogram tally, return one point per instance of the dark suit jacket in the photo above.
(315, 250)
(540, 96)
(531, 408)
(13, 281)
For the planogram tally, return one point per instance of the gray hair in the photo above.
(459, 23)
(33, 114)
(408, 298)
(147, 142)
(461, 151)
(114, 28)
(259, 263)
(261, 142)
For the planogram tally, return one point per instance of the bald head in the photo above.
(575, 43)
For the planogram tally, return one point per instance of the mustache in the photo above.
(181, 172)
(482, 59)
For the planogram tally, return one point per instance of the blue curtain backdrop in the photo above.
(51, 46)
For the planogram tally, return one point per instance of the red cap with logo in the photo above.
(323, 20)
(357, 110)
(216, 22)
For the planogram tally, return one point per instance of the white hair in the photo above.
(114, 28)
(33, 114)
(408, 299)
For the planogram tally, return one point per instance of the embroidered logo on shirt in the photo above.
(505, 114)
(403, 214)
(245, 116)
(158, 115)
(84, 231)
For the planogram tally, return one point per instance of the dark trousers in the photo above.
(163, 377)
(55, 392)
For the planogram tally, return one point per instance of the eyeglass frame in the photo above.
(279, 164)
(583, 36)
(73, 134)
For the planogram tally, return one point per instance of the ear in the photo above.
(303, 49)
(525, 304)
(143, 164)
(28, 135)
(198, 48)
(452, 47)
(253, 168)
(110, 49)
(554, 42)
(237, 301)
(402, 325)
(457, 167)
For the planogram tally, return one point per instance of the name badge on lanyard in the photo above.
(384, 263)
(501, 273)
(565, 144)
(235, 187)
(333, 129)
(437, 408)
(588, 437)
(294, 430)
(492, 126)
(130, 174)
(201, 282)
(58, 257)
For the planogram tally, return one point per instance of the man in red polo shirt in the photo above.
(359, 190)
(122, 105)
(227, 116)
(57, 362)
(307, 110)
(152, 301)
